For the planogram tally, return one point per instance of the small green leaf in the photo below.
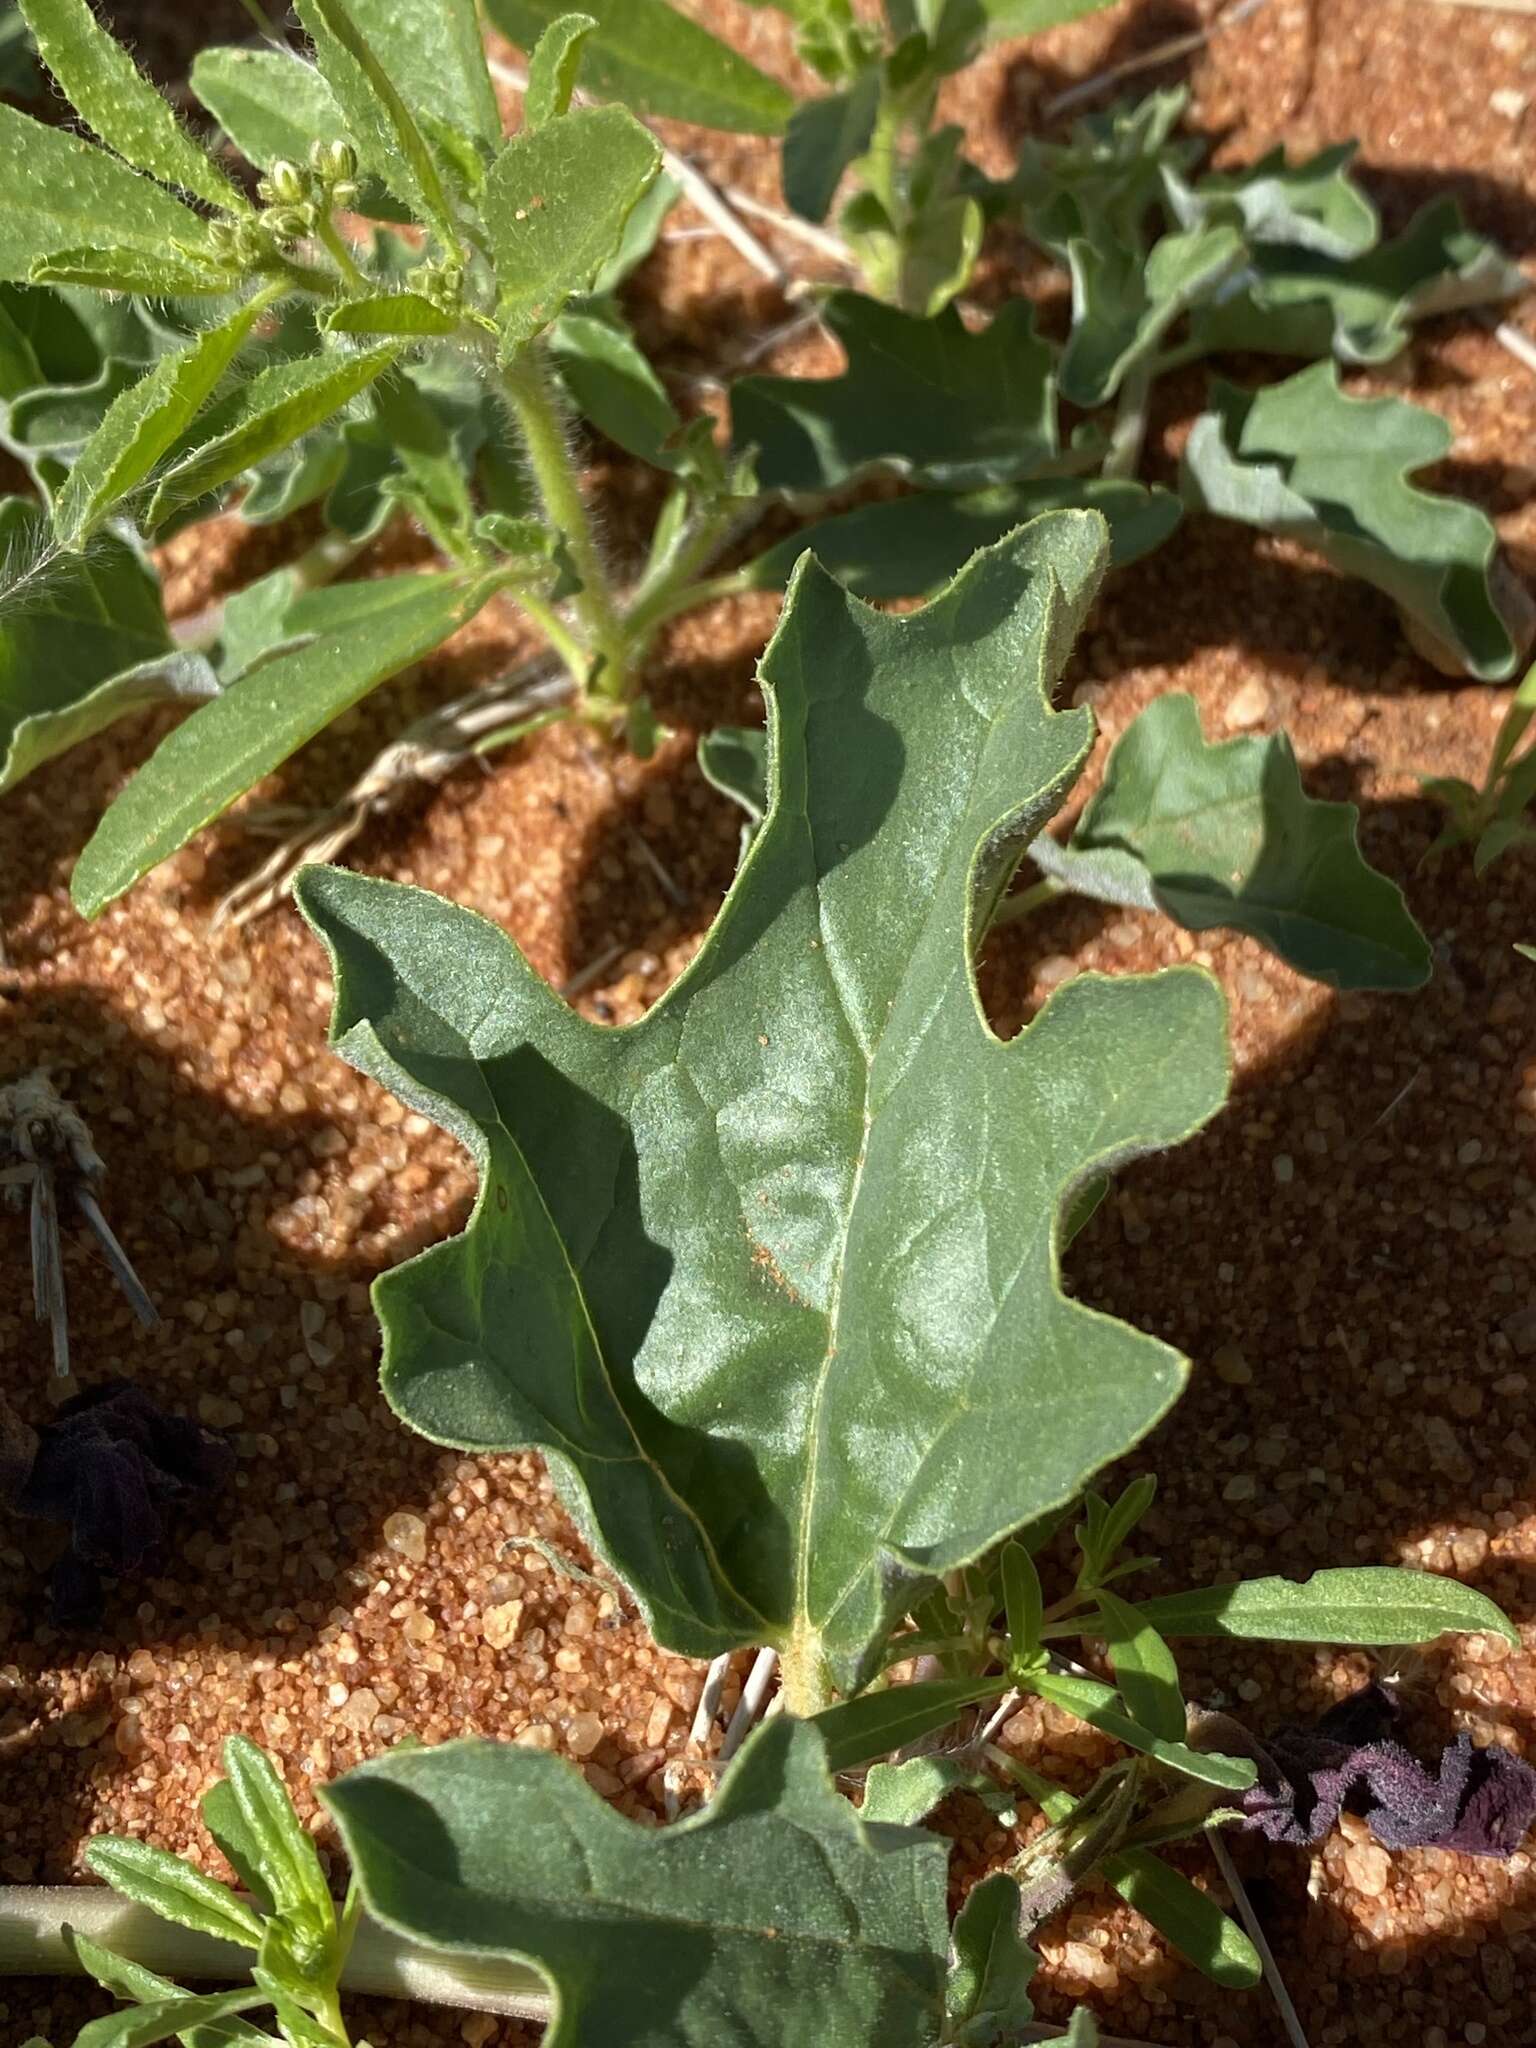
(142, 424)
(173, 1889)
(734, 760)
(913, 545)
(406, 313)
(223, 1819)
(269, 413)
(1023, 1602)
(1372, 1604)
(1187, 1917)
(386, 134)
(1314, 205)
(925, 398)
(226, 746)
(1107, 1527)
(657, 61)
(142, 2026)
(823, 138)
(274, 105)
(283, 1850)
(1145, 1670)
(903, 1795)
(134, 270)
(555, 207)
(104, 85)
(987, 1996)
(1301, 459)
(1095, 1704)
(553, 67)
(65, 194)
(876, 1723)
(613, 385)
(424, 448)
(1225, 834)
(775, 1914)
(83, 642)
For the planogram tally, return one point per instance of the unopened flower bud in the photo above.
(335, 162)
(287, 183)
(343, 192)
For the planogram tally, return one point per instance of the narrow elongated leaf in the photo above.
(1293, 302)
(555, 207)
(406, 313)
(223, 1819)
(1144, 1668)
(142, 424)
(387, 136)
(1095, 1704)
(129, 1980)
(824, 136)
(253, 727)
(657, 61)
(775, 1914)
(987, 1995)
(134, 270)
(911, 546)
(1023, 1603)
(62, 193)
(283, 1849)
(780, 1259)
(1299, 458)
(83, 641)
(925, 398)
(269, 413)
(1187, 1917)
(173, 1889)
(104, 85)
(1225, 834)
(878, 1722)
(1373, 1604)
(141, 2026)
(433, 52)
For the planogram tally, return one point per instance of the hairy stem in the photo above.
(340, 255)
(526, 384)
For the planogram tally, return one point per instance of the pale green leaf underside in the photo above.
(1226, 835)
(1302, 459)
(773, 1917)
(770, 1276)
(657, 61)
(1377, 1604)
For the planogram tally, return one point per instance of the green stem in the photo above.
(1129, 432)
(341, 255)
(674, 599)
(528, 392)
(1046, 890)
(554, 629)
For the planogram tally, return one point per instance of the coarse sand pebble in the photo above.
(1347, 1255)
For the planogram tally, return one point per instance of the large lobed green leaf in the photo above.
(1226, 835)
(771, 1276)
(926, 398)
(83, 641)
(657, 61)
(1302, 459)
(772, 1919)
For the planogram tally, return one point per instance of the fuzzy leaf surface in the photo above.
(773, 1917)
(703, 1242)
(1354, 1604)
(1224, 834)
(987, 1995)
(1301, 459)
(104, 85)
(925, 398)
(62, 193)
(81, 646)
(556, 204)
(656, 61)
(433, 51)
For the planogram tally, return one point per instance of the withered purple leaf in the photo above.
(107, 1466)
(1480, 1802)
